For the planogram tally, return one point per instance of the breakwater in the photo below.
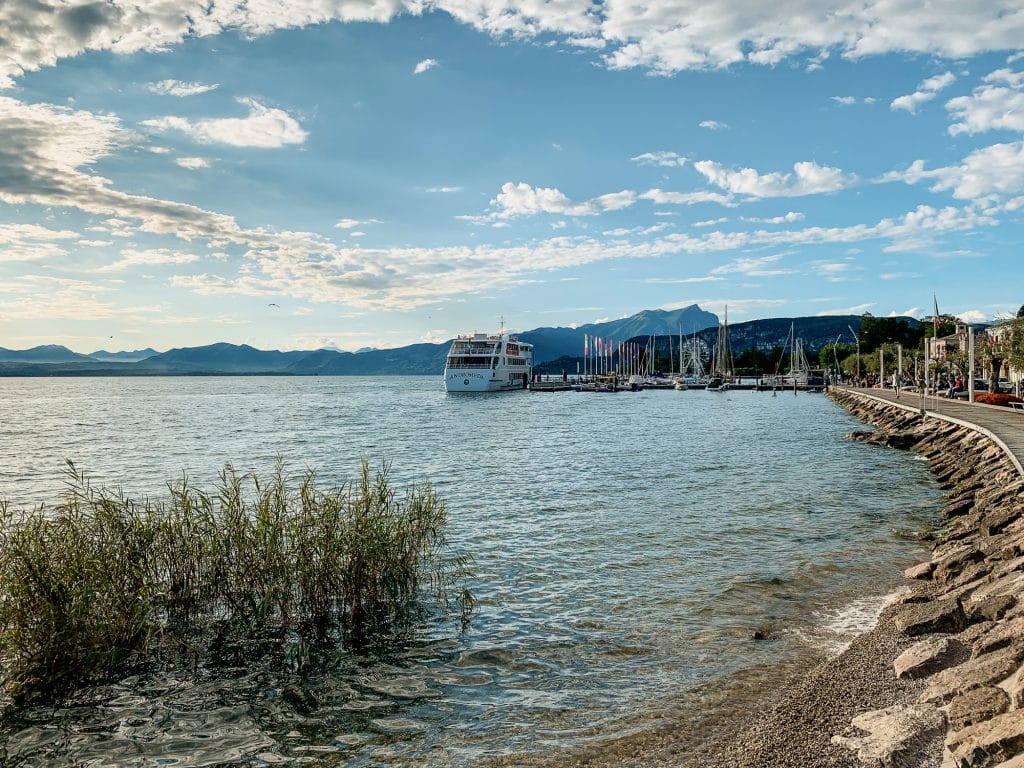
(963, 616)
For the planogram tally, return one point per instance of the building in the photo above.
(939, 347)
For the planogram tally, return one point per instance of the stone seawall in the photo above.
(965, 610)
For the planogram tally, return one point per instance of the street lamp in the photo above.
(856, 338)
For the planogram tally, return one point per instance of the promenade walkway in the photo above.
(1004, 425)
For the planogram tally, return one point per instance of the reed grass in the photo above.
(102, 583)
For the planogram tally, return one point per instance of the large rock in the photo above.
(933, 616)
(1001, 635)
(1011, 584)
(991, 608)
(893, 736)
(920, 571)
(977, 706)
(950, 566)
(928, 656)
(987, 744)
(989, 669)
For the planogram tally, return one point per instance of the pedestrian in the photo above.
(896, 383)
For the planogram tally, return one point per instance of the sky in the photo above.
(376, 173)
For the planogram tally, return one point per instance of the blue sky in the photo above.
(352, 174)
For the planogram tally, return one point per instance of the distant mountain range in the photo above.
(54, 353)
(560, 345)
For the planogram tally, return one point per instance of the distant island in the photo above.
(555, 349)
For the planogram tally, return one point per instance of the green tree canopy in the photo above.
(875, 331)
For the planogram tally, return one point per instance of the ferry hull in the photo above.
(477, 381)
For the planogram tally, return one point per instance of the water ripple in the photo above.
(625, 551)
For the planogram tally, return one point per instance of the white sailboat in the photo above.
(721, 360)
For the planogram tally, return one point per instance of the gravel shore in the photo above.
(782, 717)
(795, 730)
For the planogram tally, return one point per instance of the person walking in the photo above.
(896, 383)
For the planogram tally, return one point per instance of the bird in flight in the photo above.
(272, 304)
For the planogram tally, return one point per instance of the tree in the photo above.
(1020, 312)
(990, 353)
(875, 331)
(1015, 344)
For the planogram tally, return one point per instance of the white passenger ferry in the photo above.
(482, 363)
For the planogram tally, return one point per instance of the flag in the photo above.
(586, 349)
(935, 317)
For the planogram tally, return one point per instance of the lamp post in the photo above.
(856, 338)
(970, 364)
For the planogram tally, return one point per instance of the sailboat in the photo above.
(721, 360)
(800, 372)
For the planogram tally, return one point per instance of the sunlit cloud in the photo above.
(264, 127)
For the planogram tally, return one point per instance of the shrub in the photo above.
(102, 582)
(996, 398)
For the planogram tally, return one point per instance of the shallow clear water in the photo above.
(626, 548)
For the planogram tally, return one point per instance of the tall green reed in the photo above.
(101, 582)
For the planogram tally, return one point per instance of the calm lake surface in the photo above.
(626, 546)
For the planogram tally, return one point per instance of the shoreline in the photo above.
(959, 708)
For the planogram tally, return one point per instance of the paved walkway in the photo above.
(1004, 425)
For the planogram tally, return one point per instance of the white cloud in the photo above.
(845, 101)
(926, 91)
(192, 163)
(49, 155)
(712, 125)
(444, 190)
(353, 223)
(711, 222)
(856, 309)
(996, 170)
(661, 197)
(835, 271)
(264, 127)
(149, 258)
(974, 316)
(683, 280)
(179, 88)
(808, 178)
(424, 65)
(898, 275)
(786, 218)
(760, 266)
(525, 200)
(663, 37)
(642, 231)
(37, 297)
(663, 158)
(990, 107)
(912, 312)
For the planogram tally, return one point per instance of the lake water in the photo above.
(626, 548)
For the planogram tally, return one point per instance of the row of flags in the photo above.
(607, 348)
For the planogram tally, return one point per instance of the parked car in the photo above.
(1004, 385)
(981, 385)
